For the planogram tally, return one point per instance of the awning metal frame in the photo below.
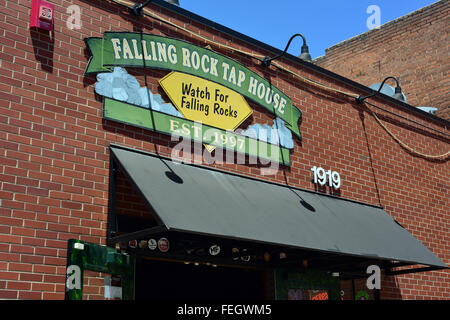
(112, 229)
(145, 233)
(391, 272)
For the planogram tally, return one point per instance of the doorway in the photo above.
(164, 280)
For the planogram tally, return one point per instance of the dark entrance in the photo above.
(162, 280)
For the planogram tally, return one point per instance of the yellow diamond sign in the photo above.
(205, 101)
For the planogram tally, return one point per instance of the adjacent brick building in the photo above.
(55, 142)
(414, 48)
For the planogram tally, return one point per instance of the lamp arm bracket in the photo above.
(361, 98)
(267, 61)
(138, 8)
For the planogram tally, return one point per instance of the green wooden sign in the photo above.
(130, 49)
(83, 256)
(172, 125)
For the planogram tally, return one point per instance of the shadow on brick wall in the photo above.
(43, 46)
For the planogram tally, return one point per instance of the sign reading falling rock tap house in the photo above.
(207, 89)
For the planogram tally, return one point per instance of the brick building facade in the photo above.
(55, 179)
(414, 48)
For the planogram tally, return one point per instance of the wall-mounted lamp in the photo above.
(304, 54)
(398, 92)
(174, 2)
(431, 110)
(138, 8)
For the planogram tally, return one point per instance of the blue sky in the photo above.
(323, 22)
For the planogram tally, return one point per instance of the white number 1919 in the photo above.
(321, 176)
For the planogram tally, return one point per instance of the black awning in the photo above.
(199, 200)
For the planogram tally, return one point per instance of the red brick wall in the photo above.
(413, 48)
(93, 285)
(54, 150)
